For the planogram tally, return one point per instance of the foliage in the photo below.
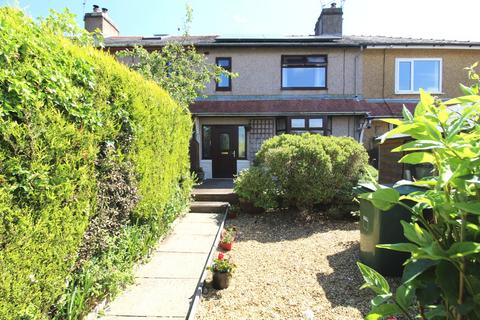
(228, 235)
(257, 186)
(369, 174)
(441, 279)
(311, 169)
(177, 67)
(221, 264)
(62, 102)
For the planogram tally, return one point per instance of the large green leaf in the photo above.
(382, 311)
(447, 279)
(402, 247)
(405, 295)
(418, 157)
(416, 234)
(373, 280)
(415, 268)
(460, 100)
(462, 249)
(383, 199)
(471, 207)
(419, 145)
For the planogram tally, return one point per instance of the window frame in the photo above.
(412, 74)
(283, 56)
(229, 69)
(307, 127)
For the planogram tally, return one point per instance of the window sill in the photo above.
(304, 88)
(415, 92)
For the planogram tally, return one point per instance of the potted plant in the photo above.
(222, 270)
(232, 212)
(228, 237)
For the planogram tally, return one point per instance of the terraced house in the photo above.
(326, 83)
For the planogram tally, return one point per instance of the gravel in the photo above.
(287, 268)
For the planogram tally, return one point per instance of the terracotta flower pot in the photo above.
(226, 246)
(221, 280)
(232, 214)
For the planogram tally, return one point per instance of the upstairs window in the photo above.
(304, 72)
(413, 74)
(225, 82)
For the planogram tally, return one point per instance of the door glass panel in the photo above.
(242, 142)
(207, 142)
(224, 143)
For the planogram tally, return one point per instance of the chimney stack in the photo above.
(330, 22)
(99, 19)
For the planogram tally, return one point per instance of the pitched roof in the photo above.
(282, 41)
(297, 107)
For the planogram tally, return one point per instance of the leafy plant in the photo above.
(221, 264)
(441, 280)
(311, 169)
(257, 186)
(228, 235)
(85, 144)
(177, 67)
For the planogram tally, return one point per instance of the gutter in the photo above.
(276, 114)
(433, 46)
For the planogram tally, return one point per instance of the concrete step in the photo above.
(214, 195)
(208, 206)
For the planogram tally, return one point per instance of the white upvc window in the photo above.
(413, 74)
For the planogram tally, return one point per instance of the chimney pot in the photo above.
(99, 19)
(330, 22)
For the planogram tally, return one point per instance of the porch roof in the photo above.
(377, 109)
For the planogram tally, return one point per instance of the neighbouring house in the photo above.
(326, 83)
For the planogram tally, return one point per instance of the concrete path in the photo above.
(166, 286)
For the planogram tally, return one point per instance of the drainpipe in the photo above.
(365, 125)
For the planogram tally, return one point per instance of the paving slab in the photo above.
(173, 265)
(203, 217)
(154, 298)
(177, 243)
(192, 228)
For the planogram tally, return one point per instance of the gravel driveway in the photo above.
(285, 268)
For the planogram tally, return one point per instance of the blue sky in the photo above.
(440, 19)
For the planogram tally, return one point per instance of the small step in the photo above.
(213, 195)
(208, 206)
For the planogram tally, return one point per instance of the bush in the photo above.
(313, 169)
(62, 103)
(258, 187)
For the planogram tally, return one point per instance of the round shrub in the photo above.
(257, 186)
(313, 169)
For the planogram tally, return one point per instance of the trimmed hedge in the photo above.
(307, 170)
(60, 105)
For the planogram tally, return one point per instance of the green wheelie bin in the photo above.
(382, 227)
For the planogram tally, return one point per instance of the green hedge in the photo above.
(60, 104)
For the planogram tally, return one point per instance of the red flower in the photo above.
(221, 256)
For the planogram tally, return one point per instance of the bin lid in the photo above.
(403, 187)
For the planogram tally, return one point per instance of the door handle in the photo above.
(234, 153)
